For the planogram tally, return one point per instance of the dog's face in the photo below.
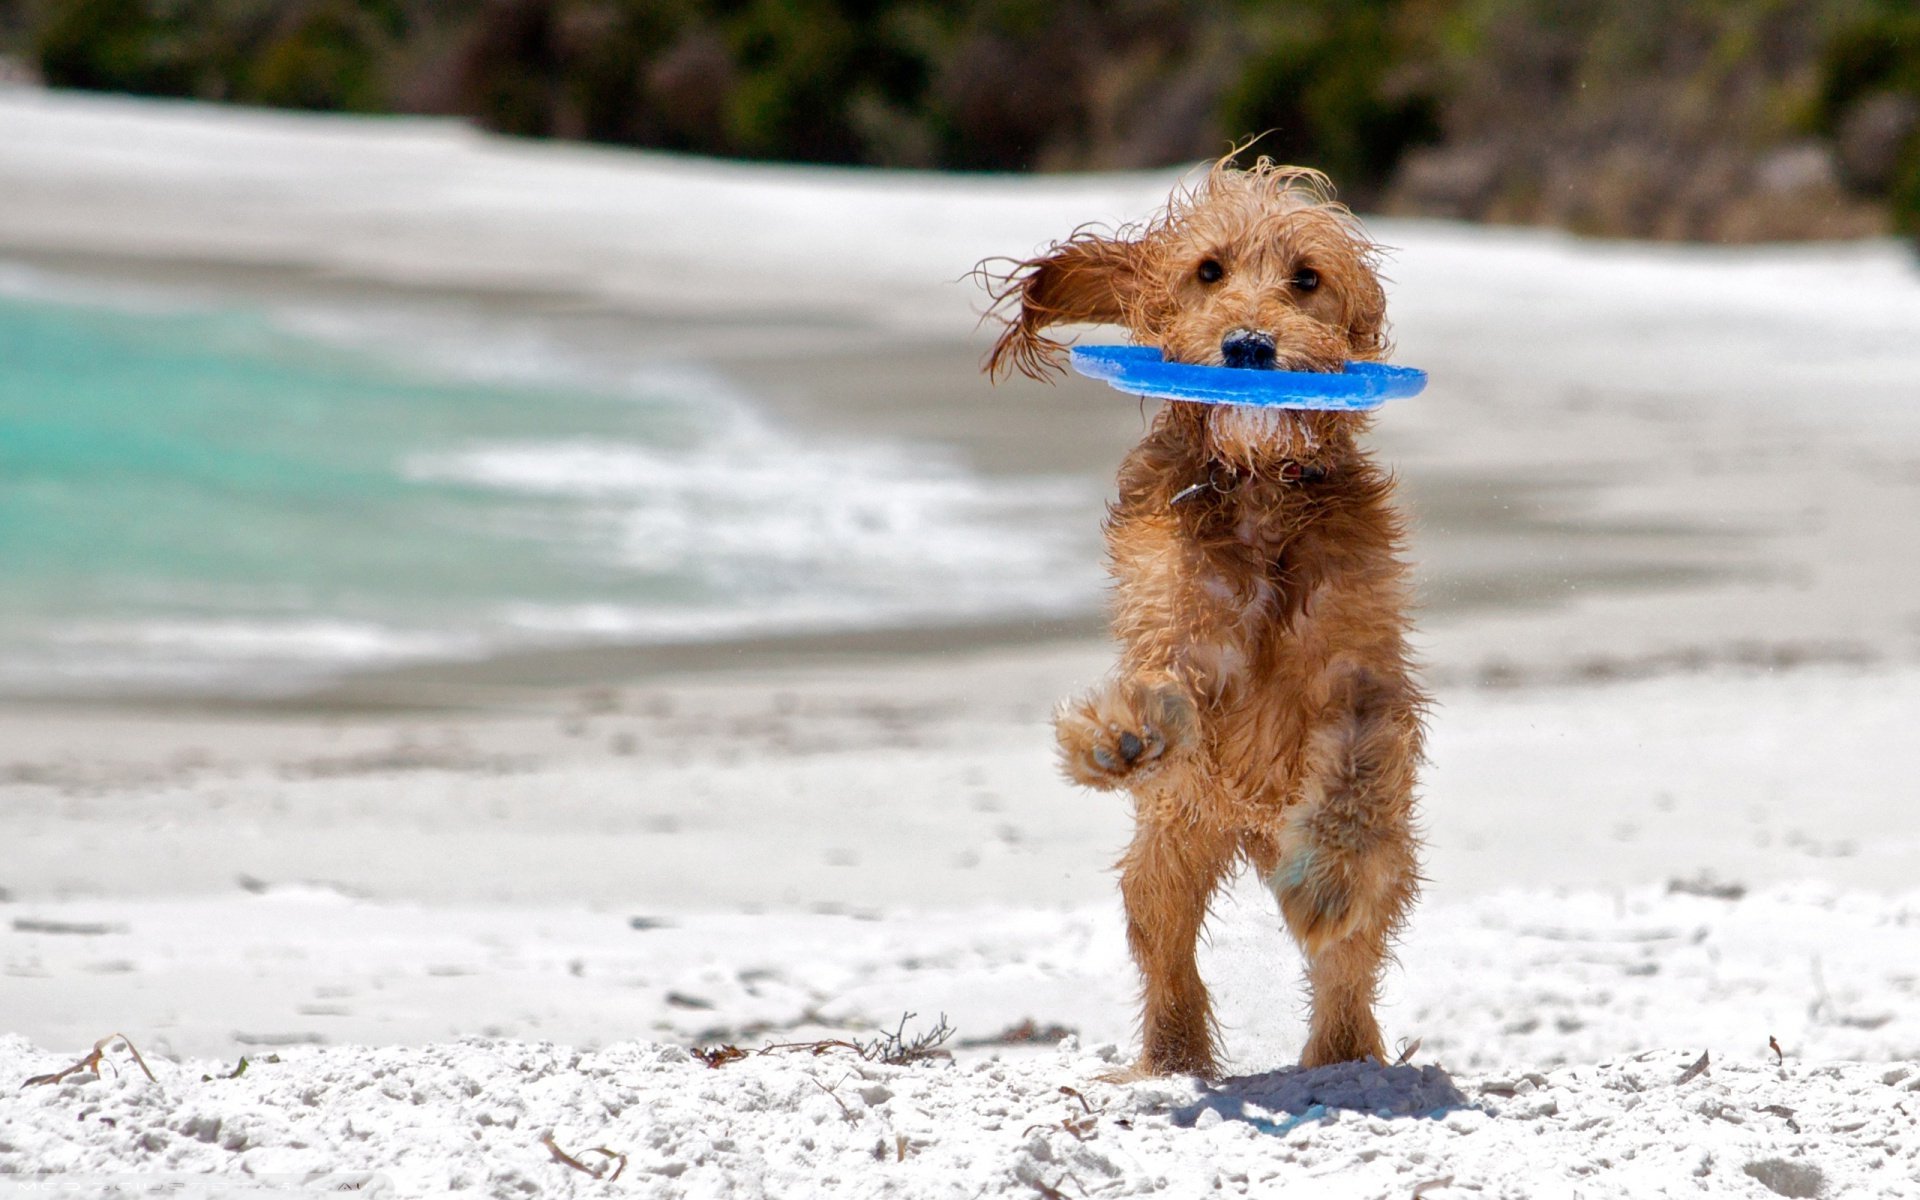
(1253, 268)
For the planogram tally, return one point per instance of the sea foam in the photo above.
(247, 497)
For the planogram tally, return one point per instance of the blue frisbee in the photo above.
(1140, 371)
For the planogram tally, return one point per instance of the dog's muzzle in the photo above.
(1248, 350)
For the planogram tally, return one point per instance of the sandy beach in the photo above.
(1664, 502)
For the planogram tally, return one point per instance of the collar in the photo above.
(1224, 477)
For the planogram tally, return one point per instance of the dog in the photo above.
(1265, 709)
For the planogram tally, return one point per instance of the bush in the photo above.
(326, 57)
(1870, 93)
(114, 46)
(1011, 80)
(1875, 52)
(1662, 109)
(1327, 84)
(797, 63)
(1905, 196)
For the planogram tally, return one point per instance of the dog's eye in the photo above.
(1306, 279)
(1211, 271)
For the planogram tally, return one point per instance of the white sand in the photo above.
(306, 888)
(908, 787)
(433, 203)
(1556, 1030)
(486, 1117)
(818, 851)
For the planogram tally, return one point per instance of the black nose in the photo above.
(1244, 348)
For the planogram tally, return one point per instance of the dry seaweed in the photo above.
(91, 1062)
(610, 1170)
(1698, 1069)
(895, 1049)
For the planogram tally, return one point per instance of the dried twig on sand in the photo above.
(93, 1060)
(1082, 1128)
(846, 1114)
(896, 1049)
(1698, 1069)
(615, 1160)
(1784, 1113)
(719, 1056)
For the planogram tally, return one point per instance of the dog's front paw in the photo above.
(1123, 732)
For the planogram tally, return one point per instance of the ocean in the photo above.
(210, 496)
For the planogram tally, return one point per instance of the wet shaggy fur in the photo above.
(1264, 709)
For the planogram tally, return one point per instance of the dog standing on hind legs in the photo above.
(1264, 709)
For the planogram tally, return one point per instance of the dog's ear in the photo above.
(1354, 262)
(1365, 313)
(1086, 279)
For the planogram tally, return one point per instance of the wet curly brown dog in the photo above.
(1264, 709)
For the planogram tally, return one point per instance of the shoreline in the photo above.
(1572, 505)
(540, 677)
(1666, 804)
(1556, 537)
(890, 782)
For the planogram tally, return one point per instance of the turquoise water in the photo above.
(198, 498)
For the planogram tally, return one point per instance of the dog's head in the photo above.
(1255, 268)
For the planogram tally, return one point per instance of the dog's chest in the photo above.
(1258, 529)
(1265, 556)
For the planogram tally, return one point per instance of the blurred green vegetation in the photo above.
(994, 85)
(1869, 103)
(1329, 83)
(1676, 118)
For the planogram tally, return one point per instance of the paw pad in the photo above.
(1107, 740)
(1123, 748)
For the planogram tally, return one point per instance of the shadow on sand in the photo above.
(1279, 1102)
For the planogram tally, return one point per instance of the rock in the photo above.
(1449, 181)
(1796, 167)
(1872, 136)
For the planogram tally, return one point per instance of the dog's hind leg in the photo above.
(1167, 878)
(1346, 870)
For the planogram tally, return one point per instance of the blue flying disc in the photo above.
(1140, 371)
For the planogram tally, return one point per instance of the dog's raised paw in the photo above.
(1122, 748)
(1103, 754)
(1121, 733)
